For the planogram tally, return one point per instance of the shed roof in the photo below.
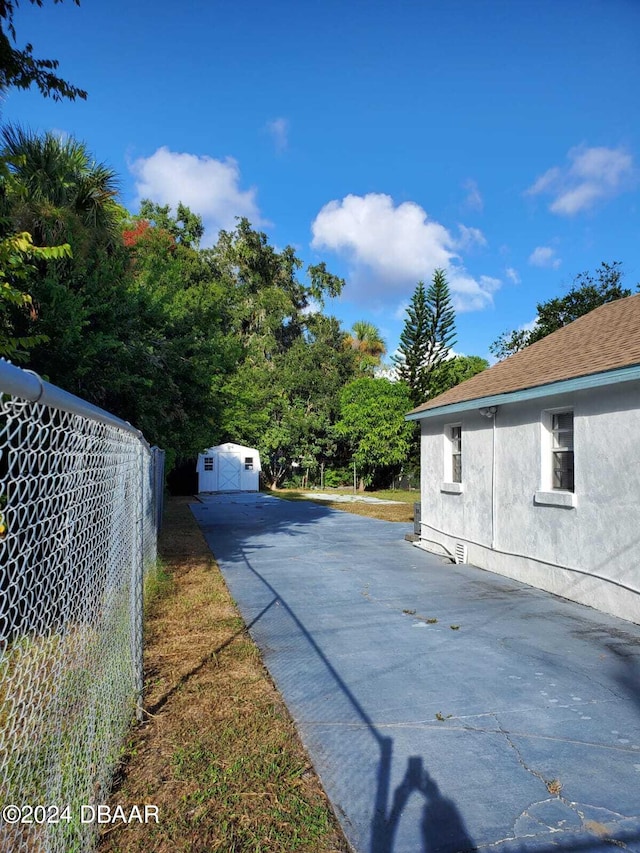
(605, 339)
(228, 446)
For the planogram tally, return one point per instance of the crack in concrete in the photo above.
(587, 824)
(440, 726)
(605, 832)
(551, 738)
(520, 758)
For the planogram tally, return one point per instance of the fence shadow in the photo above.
(441, 819)
(235, 536)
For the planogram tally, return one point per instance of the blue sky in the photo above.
(499, 139)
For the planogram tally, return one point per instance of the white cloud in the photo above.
(210, 187)
(474, 200)
(592, 175)
(386, 371)
(312, 307)
(393, 241)
(278, 128)
(470, 237)
(544, 256)
(512, 275)
(530, 326)
(401, 310)
(62, 135)
(469, 294)
(389, 247)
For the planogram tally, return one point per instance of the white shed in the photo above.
(229, 468)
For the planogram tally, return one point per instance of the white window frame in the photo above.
(548, 494)
(208, 464)
(451, 485)
(560, 445)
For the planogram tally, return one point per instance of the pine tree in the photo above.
(428, 335)
(413, 348)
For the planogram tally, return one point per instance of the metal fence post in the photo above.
(137, 591)
(158, 486)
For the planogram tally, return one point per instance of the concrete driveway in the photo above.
(512, 723)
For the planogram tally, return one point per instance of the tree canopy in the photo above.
(20, 68)
(427, 336)
(587, 292)
(185, 227)
(366, 341)
(372, 420)
(58, 190)
(200, 346)
(455, 370)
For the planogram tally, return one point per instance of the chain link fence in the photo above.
(80, 506)
(406, 482)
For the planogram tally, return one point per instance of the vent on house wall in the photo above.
(461, 552)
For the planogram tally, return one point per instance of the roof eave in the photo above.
(578, 383)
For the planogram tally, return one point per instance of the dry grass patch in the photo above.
(386, 512)
(219, 754)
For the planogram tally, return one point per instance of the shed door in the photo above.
(229, 472)
(207, 481)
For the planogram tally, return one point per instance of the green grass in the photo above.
(158, 583)
(67, 736)
(264, 777)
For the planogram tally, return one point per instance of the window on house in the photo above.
(208, 463)
(248, 463)
(562, 451)
(455, 436)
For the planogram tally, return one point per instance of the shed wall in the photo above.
(229, 472)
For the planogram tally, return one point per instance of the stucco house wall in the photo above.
(514, 524)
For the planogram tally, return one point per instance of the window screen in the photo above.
(456, 454)
(562, 451)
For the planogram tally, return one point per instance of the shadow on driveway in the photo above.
(322, 593)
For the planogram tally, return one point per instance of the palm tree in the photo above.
(367, 341)
(57, 190)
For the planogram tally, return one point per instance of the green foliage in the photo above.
(21, 69)
(372, 421)
(185, 228)
(193, 346)
(455, 370)
(286, 405)
(181, 353)
(323, 283)
(335, 477)
(427, 336)
(282, 398)
(58, 192)
(587, 292)
(137, 331)
(16, 252)
(368, 345)
(414, 346)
